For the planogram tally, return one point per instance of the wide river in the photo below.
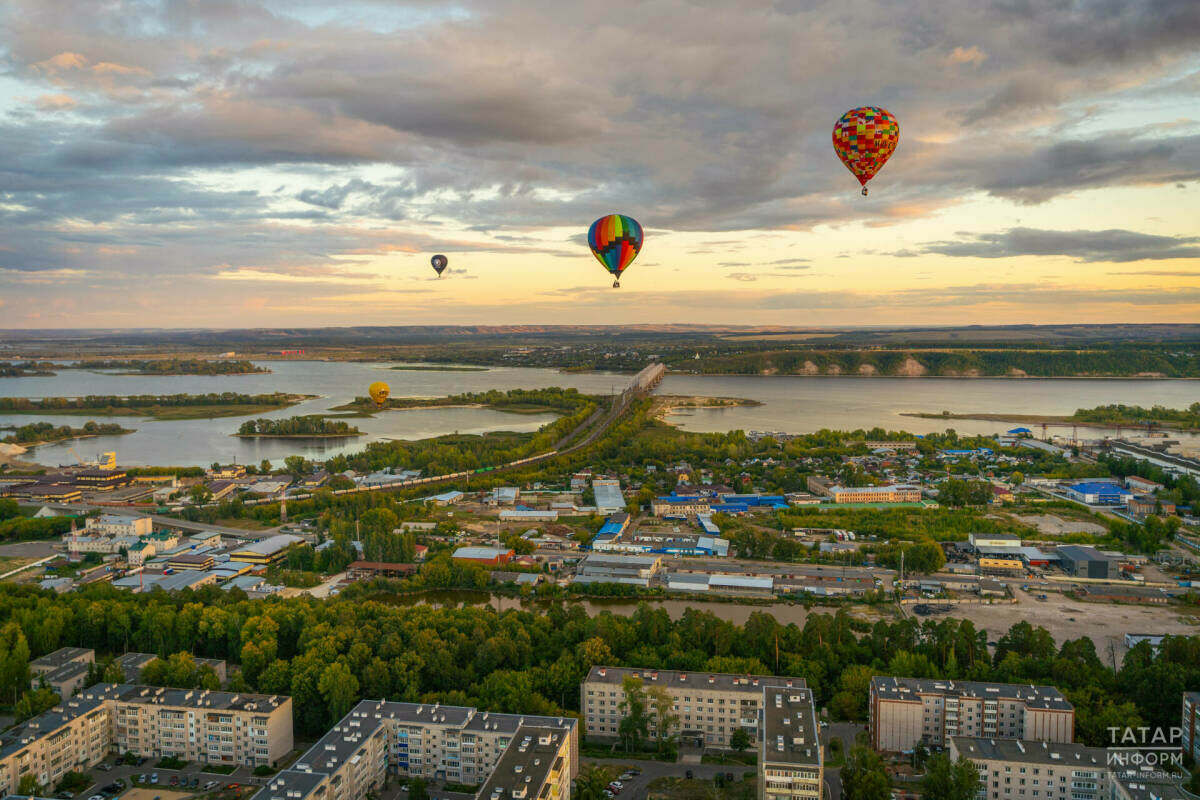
(790, 404)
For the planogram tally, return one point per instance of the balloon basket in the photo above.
(616, 284)
(864, 191)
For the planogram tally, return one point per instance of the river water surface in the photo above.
(790, 404)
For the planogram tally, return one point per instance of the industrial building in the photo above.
(1015, 769)
(609, 499)
(682, 506)
(1080, 561)
(119, 525)
(1099, 494)
(718, 583)
(521, 514)
(607, 568)
(150, 721)
(266, 551)
(989, 542)
(709, 706)
(790, 762)
(379, 739)
(905, 712)
(489, 556)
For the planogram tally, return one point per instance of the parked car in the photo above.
(65, 795)
(96, 797)
(105, 767)
(234, 786)
(154, 777)
(210, 785)
(174, 780)
(688, 775)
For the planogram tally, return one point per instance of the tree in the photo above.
(417, 789)
(265, 466)
(29, 785)
(1016, 478)
(946, 780)
(294, 466)
(200, 493)
(339, 687)
(864, 776)
(591, 783)
(739, 740)
(665, 717)
(35, 702)
(635, 724)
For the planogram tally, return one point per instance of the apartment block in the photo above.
(65, 670)
(452, 743)
(213, 727)
(1013, 769)
(1191, 725)
(904, 712)
(709, 706)
(790, 763)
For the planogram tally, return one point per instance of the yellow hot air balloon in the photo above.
(379, 392)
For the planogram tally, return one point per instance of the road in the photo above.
(241, 775)
(171, 522)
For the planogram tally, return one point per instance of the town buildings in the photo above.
(709, 706)
(132, 664)
(1080, 561)
(119, 525)
(266, 552)
(609, 568)
(875, 494)
(150, 721)
(790, 764)
(1099, 493)
(488, 556)
(1015, 769)
(609, 499)
(451, 743)
(905, 712)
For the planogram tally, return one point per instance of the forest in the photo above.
(180, 406)
(27, 369)
(309, 425)
(1119, 414)
(328, 654)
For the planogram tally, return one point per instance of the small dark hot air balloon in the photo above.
(439, 262)
(615, 241)
(864, 139)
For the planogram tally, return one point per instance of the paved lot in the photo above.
(242, 776)
(637, 789)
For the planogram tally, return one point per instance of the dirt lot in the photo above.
(1052, 525)
(28, 549)
(153, 792)
(1104, 623)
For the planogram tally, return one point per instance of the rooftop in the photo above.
(268, 546)
(789, 727)
(525, 764)
(1031, 751)
(61, 656)
(716, 681)
(906, 688)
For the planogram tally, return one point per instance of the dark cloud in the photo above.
(1116, 246)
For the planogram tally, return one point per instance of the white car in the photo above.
(96, 797)
(210, 785)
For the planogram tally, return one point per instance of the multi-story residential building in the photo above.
(119, 525)
(790, 764)
(1191, 725)
(904, 712)
(452, 743)
(1013, 769)
(150, 721)
(65, 670)
(708, 706)
(681, 505)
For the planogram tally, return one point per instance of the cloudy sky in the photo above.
(251, 163)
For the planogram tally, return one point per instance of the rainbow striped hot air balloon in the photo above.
(615, 240)
(864, 139)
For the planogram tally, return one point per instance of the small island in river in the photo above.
(304, 427)
(1108, 416)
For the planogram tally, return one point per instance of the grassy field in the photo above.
(8, 563)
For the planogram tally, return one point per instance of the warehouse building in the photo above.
(266, 551)
(1099, 494)
(609, 499)
(905, 712)
(1080, 561)
(488, 556)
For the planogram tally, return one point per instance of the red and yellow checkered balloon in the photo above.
(864, 139)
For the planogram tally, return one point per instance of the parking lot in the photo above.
(146, 781)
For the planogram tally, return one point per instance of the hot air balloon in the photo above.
(379, 392)
(864, 139)
(440, 263)
(615, 240)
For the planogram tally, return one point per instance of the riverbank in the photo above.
(77, 433)
(1052, 419)
(9, 457)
